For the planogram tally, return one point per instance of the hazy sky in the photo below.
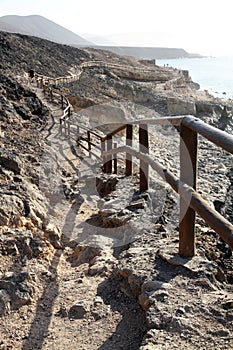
(203, 26)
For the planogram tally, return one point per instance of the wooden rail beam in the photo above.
(122, 127)
(115, 160)
(129, 142)
(103, 150)
(215, 220)
(190, 200)
(143, 148)
(188, 175)
(218, 137)
(91, 131)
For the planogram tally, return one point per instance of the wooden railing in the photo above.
(46, 84)
(190, 201)
(43, 80)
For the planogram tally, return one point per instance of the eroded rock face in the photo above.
(11, 209)
(20, 150)
(22, 243)
(181, 107)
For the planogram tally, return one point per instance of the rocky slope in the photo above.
(56, 289)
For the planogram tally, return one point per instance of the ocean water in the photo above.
(214, 74)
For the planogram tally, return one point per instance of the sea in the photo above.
(214, 74)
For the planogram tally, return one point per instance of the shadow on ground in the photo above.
(39, 327)
(131, 329)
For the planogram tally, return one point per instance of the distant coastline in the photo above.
(149, 52)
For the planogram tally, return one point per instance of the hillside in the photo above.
(41, 27)
(44, 28)
(20, 53)
(64, 283)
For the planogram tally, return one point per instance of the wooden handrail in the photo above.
(90, 143)
(114, 132)
(217, 136)
(190, 127)
(215, 220)
(90, 130)
(175, 121)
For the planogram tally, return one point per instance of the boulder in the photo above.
(78, 310)
(53, 233)
(11, 209)
(154, 285)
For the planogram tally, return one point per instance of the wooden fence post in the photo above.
(109, 156)
(103, 157)
(188, 175)
(129, 142)
(143, 148)
(115, 159)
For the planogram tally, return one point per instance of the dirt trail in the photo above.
(76, 303)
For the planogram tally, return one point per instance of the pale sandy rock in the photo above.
(181, 107)
(154, 285)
